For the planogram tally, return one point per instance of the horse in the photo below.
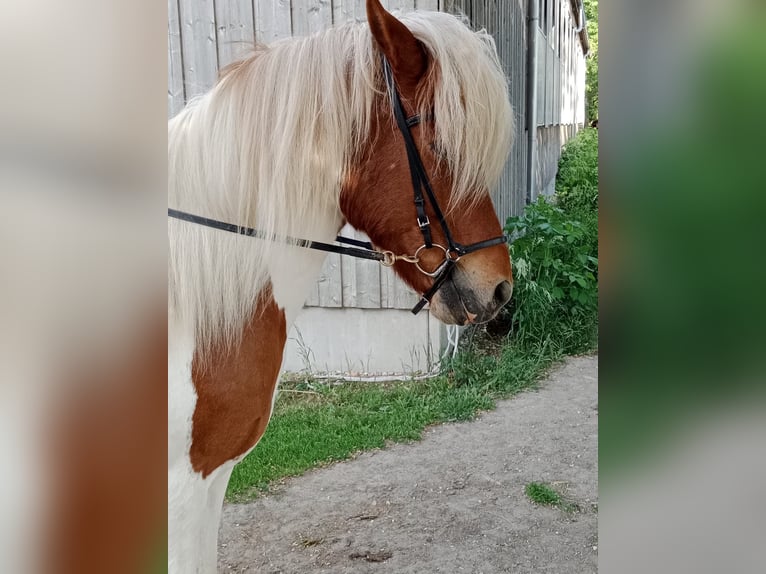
(350, 125)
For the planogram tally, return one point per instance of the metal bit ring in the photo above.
(447, 257)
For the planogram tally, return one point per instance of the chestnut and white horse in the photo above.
(295, 141)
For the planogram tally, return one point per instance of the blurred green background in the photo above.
(682, 247)
(683, 236)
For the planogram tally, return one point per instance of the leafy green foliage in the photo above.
(555, 256)
(556, 290)
(577, 178)
(503, 372)
(591, 64)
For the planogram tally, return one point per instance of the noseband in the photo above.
(365, 250)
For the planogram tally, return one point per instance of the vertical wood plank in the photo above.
(387, 288)
(176, 98)
(400, 5)
(564, 64)
(540, 79)
(235, 32)
(355, 10)
(404, 297)
(310, 16)
(459, 7)
(560, 81)
(453, 6)
(477, 16)
(550, 67)
(361, 278)
(313, 298)
(490, 11)
(330, 283)
(507, 22)
(272, 20)
(519, 41)
(427, 5)
(395, 294)
(348, 11)
(198, 42)
(348, 275)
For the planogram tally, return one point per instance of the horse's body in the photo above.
(296, 141)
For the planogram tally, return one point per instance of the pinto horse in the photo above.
(293, 142)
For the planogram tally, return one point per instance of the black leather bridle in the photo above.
(365, 250)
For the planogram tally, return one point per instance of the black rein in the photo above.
(363, 249)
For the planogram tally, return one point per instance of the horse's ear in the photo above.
(404, 52)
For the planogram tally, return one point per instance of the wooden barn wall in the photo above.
(206, 35)
(506, 21)
(560, 88)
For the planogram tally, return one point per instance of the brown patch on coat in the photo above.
(108, 460)
(235, 387)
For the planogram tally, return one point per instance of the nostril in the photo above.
(503, 292)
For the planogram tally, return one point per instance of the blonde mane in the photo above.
(269, 145)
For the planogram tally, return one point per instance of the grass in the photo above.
(327, 422)
(541, 493)
(544, 494)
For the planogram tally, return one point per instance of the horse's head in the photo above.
(462, 140)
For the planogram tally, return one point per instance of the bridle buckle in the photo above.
(424, 222)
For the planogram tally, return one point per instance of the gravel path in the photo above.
(453, 502)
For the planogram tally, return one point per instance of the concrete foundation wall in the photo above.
(364, 342)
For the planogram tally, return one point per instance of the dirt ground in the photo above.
(453, 502)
